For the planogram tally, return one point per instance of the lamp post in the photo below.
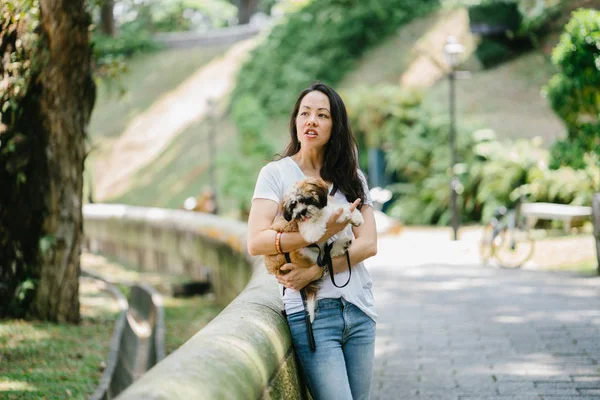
(452, 51)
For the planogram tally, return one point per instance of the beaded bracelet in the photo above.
(277, 243)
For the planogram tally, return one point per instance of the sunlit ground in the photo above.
(57, 361)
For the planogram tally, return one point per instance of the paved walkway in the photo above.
(463, 331)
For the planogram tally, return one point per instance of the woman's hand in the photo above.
(299, 277)
(333, 226)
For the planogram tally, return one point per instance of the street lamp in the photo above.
(452, 51)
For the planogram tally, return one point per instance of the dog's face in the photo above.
(305, 199)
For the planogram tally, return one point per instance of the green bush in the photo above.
(416, 151)
(574, 92)
(319, 42)
(492, 52)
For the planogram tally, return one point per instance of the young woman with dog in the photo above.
(322, 145)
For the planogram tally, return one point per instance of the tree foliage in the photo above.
(574, 92)
(19, 69)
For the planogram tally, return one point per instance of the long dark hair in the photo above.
(340, 163)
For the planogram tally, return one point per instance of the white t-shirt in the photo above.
(273, 181)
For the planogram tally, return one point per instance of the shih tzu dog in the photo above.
(306, 208)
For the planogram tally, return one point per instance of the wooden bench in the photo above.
(562, 212)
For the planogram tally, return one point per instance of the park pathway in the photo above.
(451, 329)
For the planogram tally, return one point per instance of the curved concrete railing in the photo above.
(103, 389)
(246, 351)
(138, 341)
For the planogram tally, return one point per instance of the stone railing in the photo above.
(246, 351)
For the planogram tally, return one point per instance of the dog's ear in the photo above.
(288, 210)
(322, 193)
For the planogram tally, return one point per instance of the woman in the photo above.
(322, 145)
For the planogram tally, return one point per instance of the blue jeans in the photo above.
(342, 366)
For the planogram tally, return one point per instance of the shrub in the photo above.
(416, 151)
(574, 92)
(492, 52)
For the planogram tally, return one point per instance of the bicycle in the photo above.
(507, 238)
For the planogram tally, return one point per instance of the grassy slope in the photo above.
(506, 98)
(149, 76)
(182, 169)
(386, 62)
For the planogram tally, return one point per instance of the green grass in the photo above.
(54, 361)
(149, 76)
(507, 99)
(387, 62)
(184, 317)
(40, 360)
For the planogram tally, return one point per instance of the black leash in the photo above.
(323, 261)
(309, 331)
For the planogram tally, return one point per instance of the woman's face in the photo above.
(313, 122)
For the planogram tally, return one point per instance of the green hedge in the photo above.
(319, 42)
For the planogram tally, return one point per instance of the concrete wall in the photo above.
(223, 36)
(246, 351)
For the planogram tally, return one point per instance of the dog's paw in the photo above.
(341, 245)
(356, 218)
(345, 216)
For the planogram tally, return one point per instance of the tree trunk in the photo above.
(107, 18)
(246, 9)
(40, 211)
(66, 103)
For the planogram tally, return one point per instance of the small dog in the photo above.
(306, 209)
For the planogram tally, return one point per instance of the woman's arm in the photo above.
(261, 239)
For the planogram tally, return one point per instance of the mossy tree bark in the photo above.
(40, 213)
